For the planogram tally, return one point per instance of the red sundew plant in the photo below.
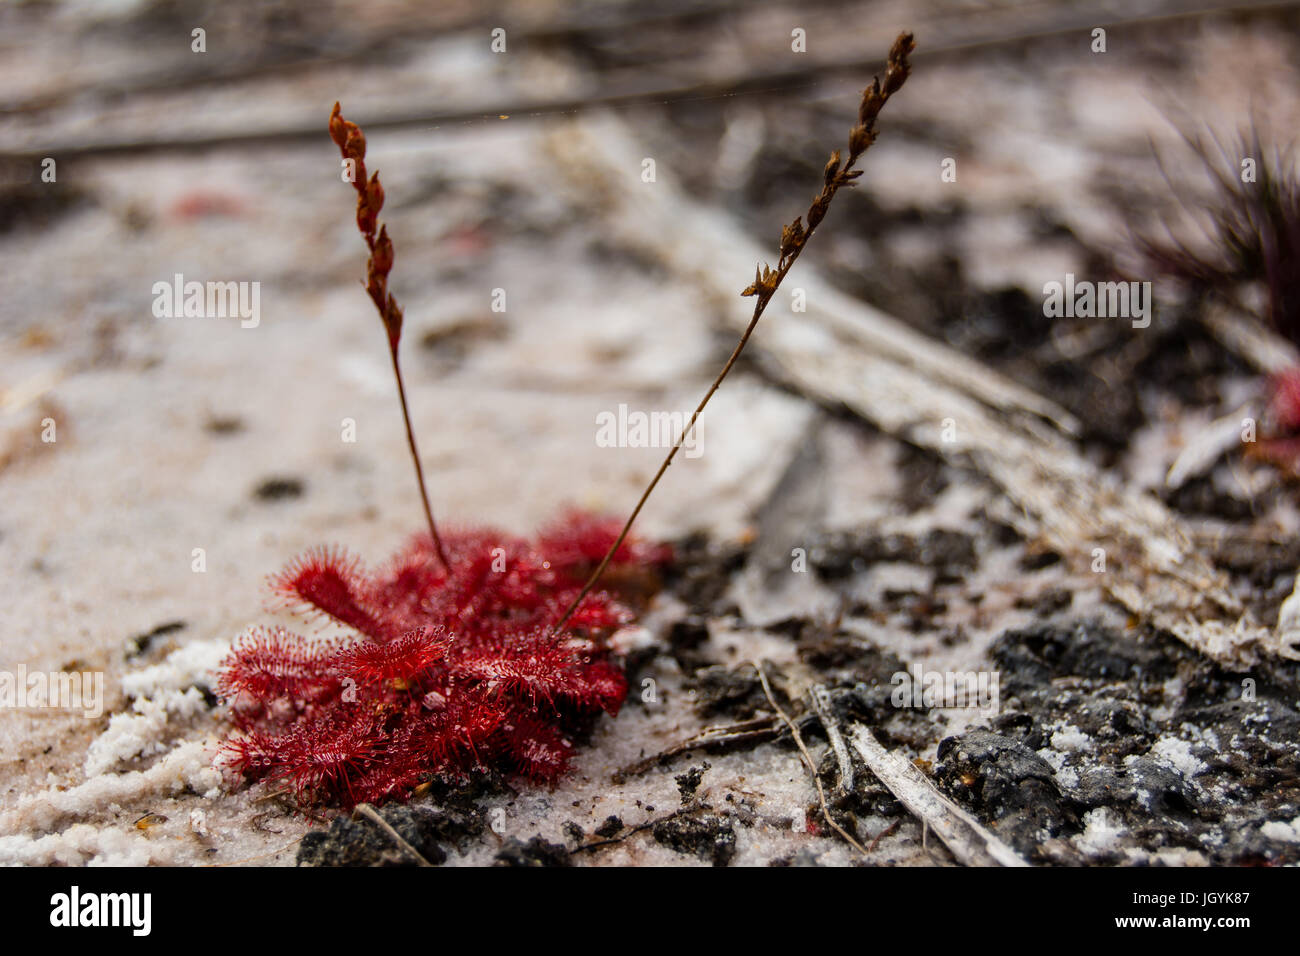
(457, 663)
(474, 650)
(453, 670)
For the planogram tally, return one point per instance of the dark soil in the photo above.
(447, 816)
(1176, 751)
(711, 837)
(536, 852)
(360, 842)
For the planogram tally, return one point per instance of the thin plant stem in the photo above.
(794, 238)
(419, 469)
(645, 495)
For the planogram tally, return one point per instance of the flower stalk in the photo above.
(794, 239)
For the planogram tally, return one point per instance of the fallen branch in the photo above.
(969, 842)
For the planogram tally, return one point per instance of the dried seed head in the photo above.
(832, 168)
(354, 146)
(872, 100)
(816, 212)
(382, 258)
(367, 218)
(393, 320)
(375, 194)
(338, 126)
(860, 139)
(766, 282)
(899, 68)
(792, 237)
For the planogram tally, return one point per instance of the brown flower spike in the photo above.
(370, 199)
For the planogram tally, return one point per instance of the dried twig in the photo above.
(794, 238)
(1203, 447)
(969, 842)
(820, 699)
(808, 760)
(759, 728)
